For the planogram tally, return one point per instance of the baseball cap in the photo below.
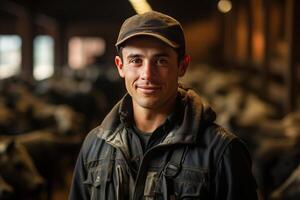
(154, 24)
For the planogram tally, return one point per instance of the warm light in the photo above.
(224, 6)
(84, 50)
(140, 6)
(258, 46)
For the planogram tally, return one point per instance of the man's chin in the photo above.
(148, 103)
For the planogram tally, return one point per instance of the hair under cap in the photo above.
(154, 24)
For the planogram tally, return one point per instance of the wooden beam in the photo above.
(267, 48)
(25, 28)
(293, 28)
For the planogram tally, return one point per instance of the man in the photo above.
(160, 141)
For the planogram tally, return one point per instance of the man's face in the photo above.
(151, 70)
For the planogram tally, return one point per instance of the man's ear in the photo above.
(119, 64)
(183, 65)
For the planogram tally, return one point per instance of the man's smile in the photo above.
(146, 89)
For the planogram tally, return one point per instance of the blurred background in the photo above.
(58, 81)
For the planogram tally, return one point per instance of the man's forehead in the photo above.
(131, 52)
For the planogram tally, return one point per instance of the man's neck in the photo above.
(147, 120)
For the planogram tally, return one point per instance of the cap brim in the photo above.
(160, 37)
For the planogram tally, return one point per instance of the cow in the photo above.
(52, 154)
(290, 189)
(277, 155)
(19, 171)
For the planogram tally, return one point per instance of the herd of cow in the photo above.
(43, 125)
(42, 128)
(273, 138)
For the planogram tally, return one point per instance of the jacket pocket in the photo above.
(122, 183)
(99, 178)
(93, 181)
(150, 186)
(93, 177)
(108, 180)
(189, 184)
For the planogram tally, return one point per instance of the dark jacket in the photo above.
(195, 159)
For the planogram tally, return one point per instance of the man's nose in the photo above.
(148, 71)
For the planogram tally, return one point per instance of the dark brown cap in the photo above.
(154, 24)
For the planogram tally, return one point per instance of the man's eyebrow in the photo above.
(133, 55)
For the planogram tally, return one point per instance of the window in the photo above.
(43, 57)
(10, 55)
(84, 50)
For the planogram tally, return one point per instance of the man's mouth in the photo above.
(148, 89)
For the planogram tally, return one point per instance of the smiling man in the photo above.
(160, 141)
(151, 70)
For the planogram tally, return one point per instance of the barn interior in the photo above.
(58, 80)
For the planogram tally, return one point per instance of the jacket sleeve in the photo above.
(78, 189)
(234, 179)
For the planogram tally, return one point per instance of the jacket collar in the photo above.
(195, 113)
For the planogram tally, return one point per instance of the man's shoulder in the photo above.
(93, 138)
(221, 140)
(92, 134)
(216, 136)
(220, 131)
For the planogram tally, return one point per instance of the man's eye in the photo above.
(161, 61)
(135, 60)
